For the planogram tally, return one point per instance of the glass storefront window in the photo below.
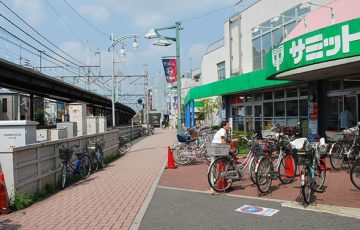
(350, 83)
(277, 36)
(248, 98)
(248, 113)
(266, 45)
(303, 91)
(268, 95)
(289, 15)
(292, 92)
(257, 53)
(292, 108)
(279, 94)
(268, 109)
(333, 84)
(257, 97)
(289, 27)
(303, 107)
(279, 108)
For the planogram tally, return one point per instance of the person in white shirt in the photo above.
(346, 119)
(221, 134)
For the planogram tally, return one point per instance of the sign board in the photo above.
(330, 43)
(257, 210)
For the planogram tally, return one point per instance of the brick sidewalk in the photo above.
(109, 199)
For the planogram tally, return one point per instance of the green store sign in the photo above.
(330, 43)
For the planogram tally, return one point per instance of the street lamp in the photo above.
(164, 41)
(114, 42)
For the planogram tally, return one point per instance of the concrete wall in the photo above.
(30, 168)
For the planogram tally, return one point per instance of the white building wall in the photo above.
(237, 51)
(209, 65)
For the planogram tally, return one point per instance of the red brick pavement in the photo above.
(339, 189)
(109, 199)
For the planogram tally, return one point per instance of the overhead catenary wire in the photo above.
(66, 24)
(212, 12)
(34, 39)
(39, 33)
(31, 46)
(91, 25)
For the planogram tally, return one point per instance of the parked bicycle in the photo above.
(226, 169)
(284, 168)
(147, 131)
(355, 173)
(346, 150)
(124, 145)
(81, 165)
(313, 172)
(95, 150)
(188, 149)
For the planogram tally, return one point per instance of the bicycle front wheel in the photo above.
(355, 174)
(287, 169)
(319, 175)
(337, 156)
(180, 156)
(217, 174)
(63, 174)
(306, 185)
(264, 175)
(94, 163)
(125, 145)
(252, 168)
(85, 166)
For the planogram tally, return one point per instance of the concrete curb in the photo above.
(336, 210)
(140, 215)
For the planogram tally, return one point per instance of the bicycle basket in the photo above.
(66, 154)
(304, 158)
(218, 149)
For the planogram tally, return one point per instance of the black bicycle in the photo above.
(124, 145)
(80, 165)
(95, 150)
(355, 173)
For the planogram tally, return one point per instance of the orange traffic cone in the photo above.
(222, 183)
(3, 200)
(171, 163)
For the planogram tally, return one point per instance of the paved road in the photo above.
(176, 209)
(109, 199)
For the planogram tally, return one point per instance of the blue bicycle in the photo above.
(80, 165)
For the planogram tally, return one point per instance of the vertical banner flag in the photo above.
(170, 69)
(175, 103)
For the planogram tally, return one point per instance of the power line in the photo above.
(35, 40)
(14, 36)
(65, 22)
(94, 27)
(212, 12)
(38, 32)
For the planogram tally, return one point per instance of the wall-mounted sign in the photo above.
(330, 43)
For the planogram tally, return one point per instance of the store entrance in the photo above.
(335, 105)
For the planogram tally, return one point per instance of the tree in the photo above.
(209, 109)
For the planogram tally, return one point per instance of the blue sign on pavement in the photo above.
(257, 210)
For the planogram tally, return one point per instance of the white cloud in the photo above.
(33, 11)
(96, 12)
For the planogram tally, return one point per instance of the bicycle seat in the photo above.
(183, 138)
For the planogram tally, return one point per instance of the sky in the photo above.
(202, 22)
